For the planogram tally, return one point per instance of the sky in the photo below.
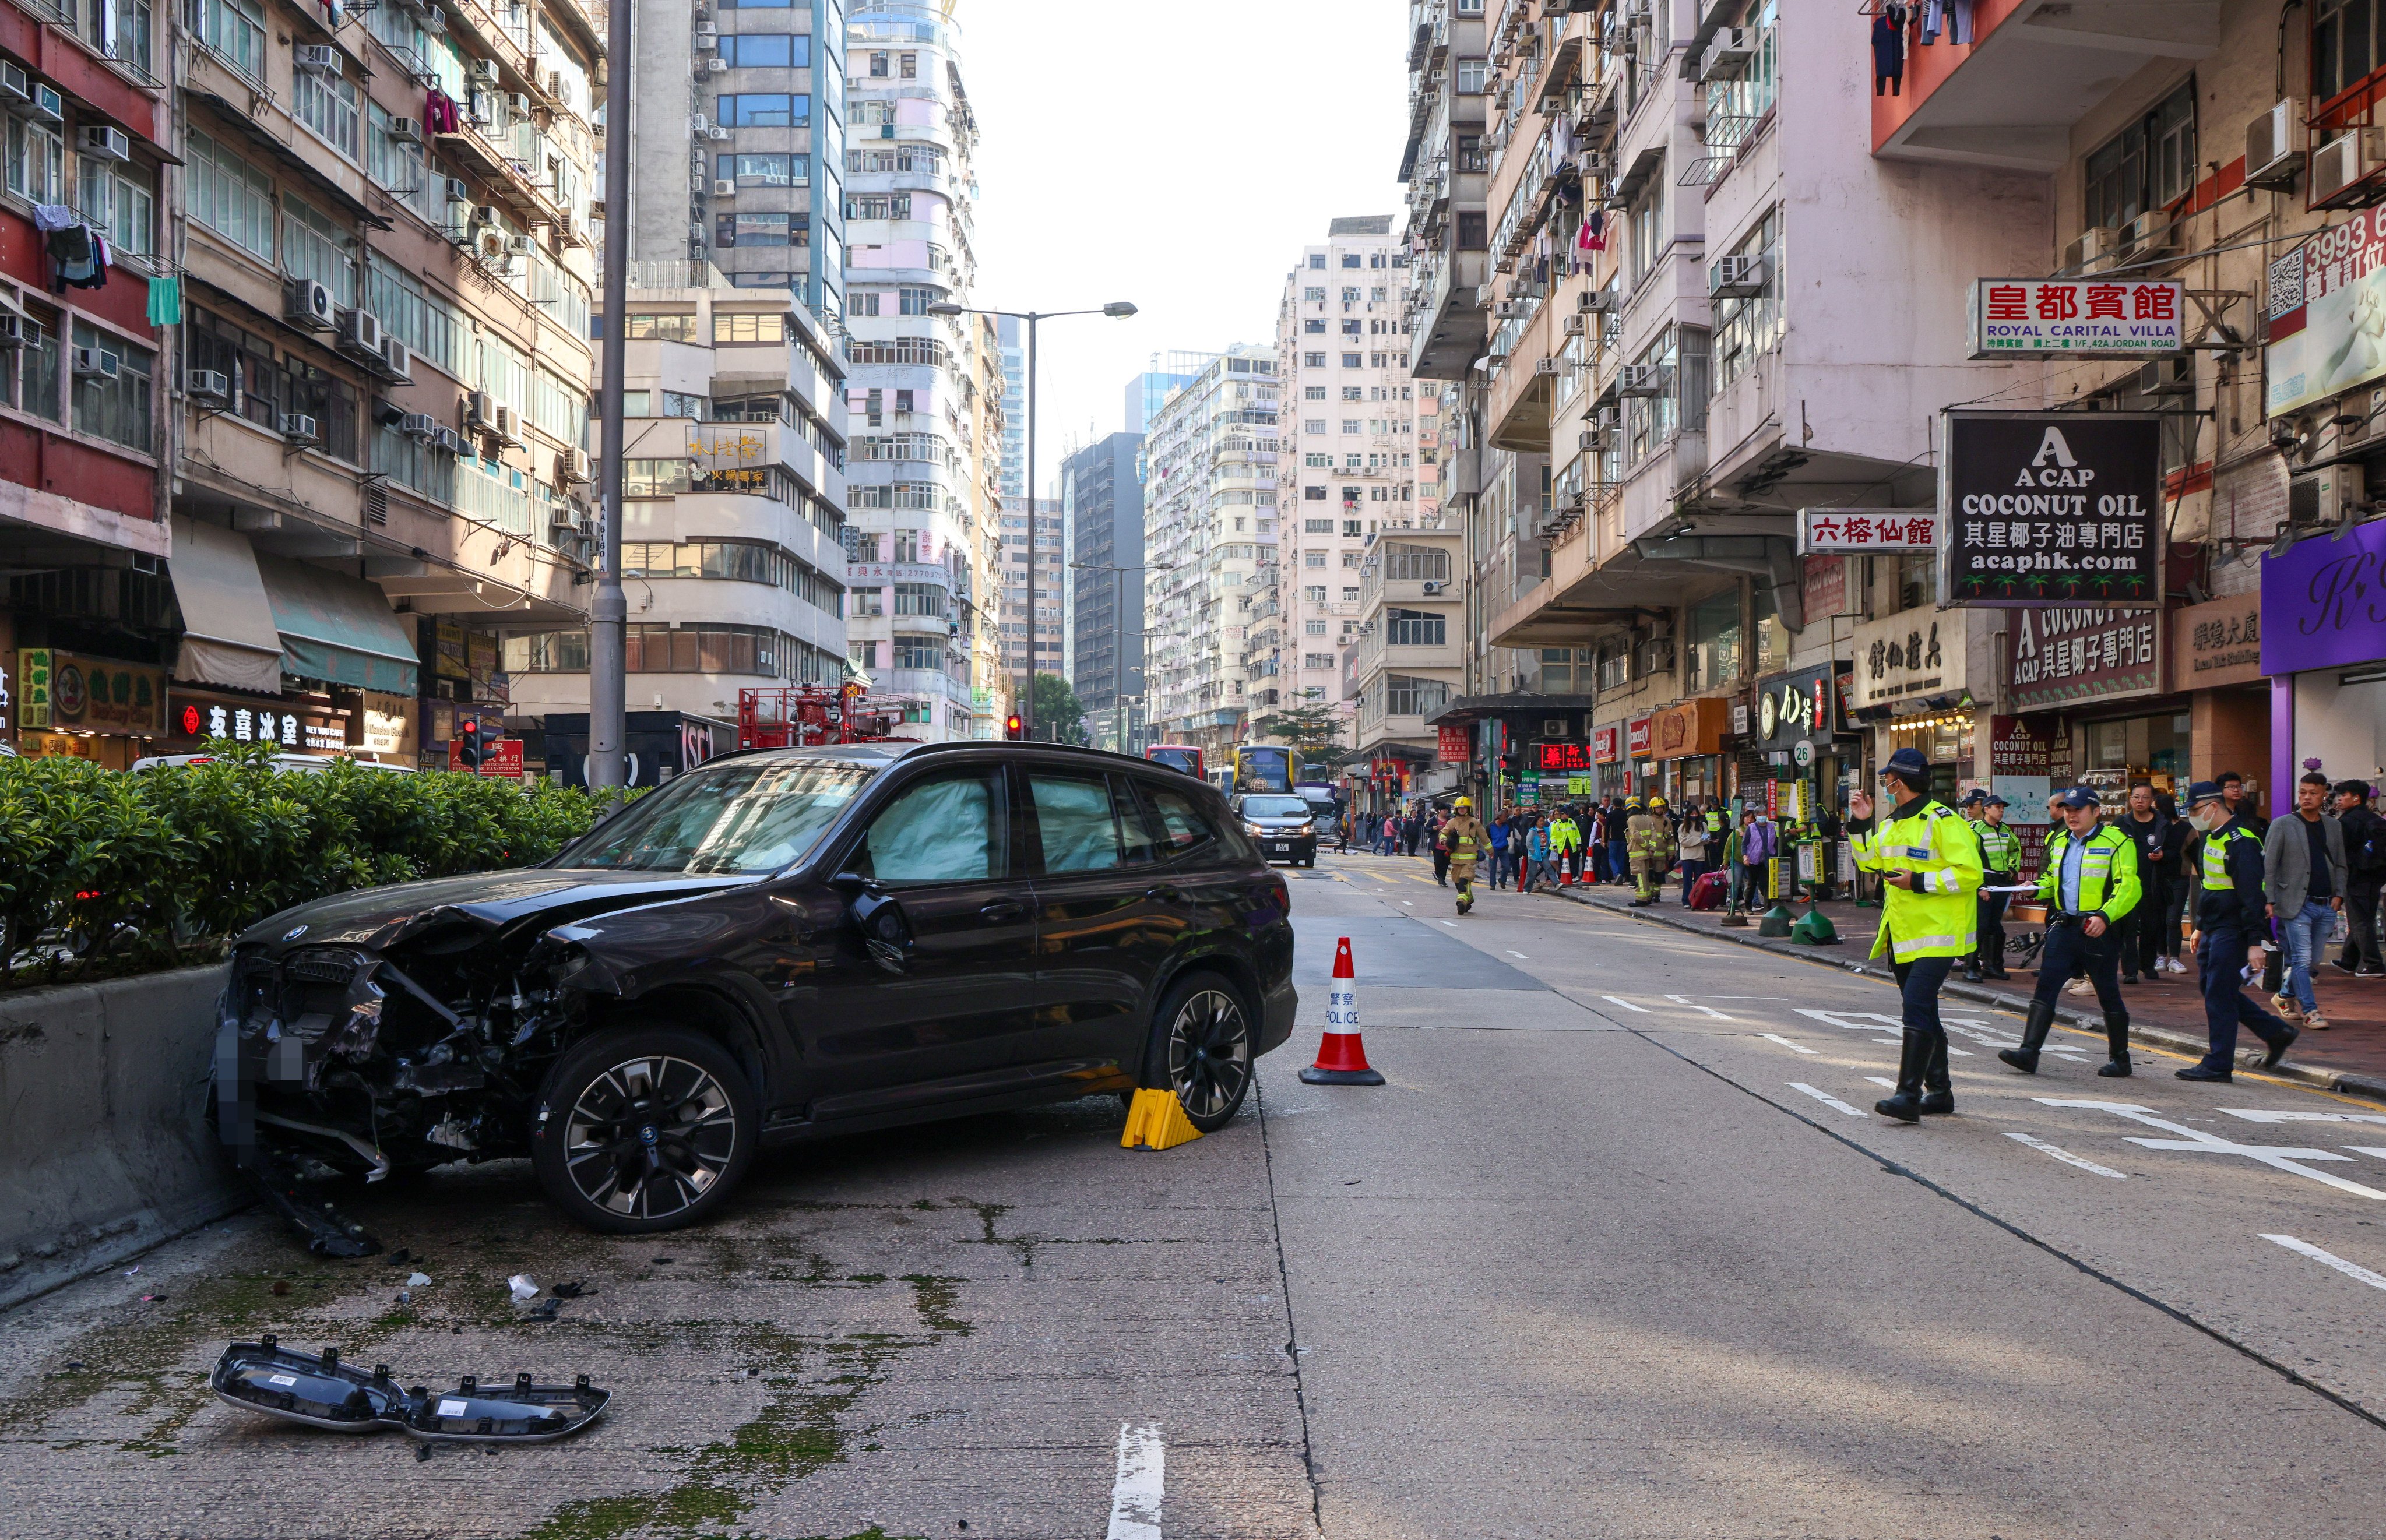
(1178, 157)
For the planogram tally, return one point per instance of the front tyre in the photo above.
(1201, 1048)
(644, 1128)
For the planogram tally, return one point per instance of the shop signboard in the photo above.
(2077, 318)
(193, 717)
(69, 692)
(2217, 644)
(2057, 655)
(1452, 746)
(1636, 737)
(449, 650)
(1796, 707)
(1691, 727)
(2052, 507)
(2323, 295)
(384, 723)
(1823, 585)
(504, 761)
(1562, 759)
(2325, 601)
(1912, 653)
(1867, 531)
(2020, 762)
(1607, 744)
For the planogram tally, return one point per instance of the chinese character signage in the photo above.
(2052, 508)
(2325, 296)
(1563, 759)
(1453, 744)
(504, 759)
(2076, 318)
(1824, 587)
(1867, 531)
(2020, 770)
(2058, 656)
(2217, 644)
(68, 692)
(1796, 707)
(1912, 653)
(2323, 603)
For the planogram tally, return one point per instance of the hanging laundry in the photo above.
(1959, 22)
(1887, 57)
(53, 216)
(440, 114)
(1594, 232)
(1934, 21)
(165, 301)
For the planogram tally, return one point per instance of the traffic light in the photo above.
(1013, 728)
(467, 742)
(487, 731)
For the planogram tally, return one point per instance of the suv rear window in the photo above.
(1178, 822)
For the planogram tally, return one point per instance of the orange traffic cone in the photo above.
(1341, 1059)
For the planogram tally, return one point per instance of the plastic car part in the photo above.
(320, 1391)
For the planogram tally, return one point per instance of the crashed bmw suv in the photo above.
(782, 945)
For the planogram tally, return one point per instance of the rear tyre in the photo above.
(644, 1128)
(1202, 1039)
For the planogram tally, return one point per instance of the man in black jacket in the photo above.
(2228, 933)
(2365, 861)
(2141, 930)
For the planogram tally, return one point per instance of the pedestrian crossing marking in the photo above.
(1619, 999)
(2196, 1141)
(1825, 1099)
(2065, 1155)
(1777, 1037)
(2350, 1270)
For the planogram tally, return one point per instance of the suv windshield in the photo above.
(1274, 807)
(750, 817)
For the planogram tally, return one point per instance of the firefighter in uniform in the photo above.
(2089, 883)
(1651, 845)
(2230, 912)
(2000, 866)
(1929, 863)
(1465, 838)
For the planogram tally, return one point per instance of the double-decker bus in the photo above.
(1178, 756)
(1267, 767)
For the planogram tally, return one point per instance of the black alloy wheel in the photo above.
(1206, 1050)
(645, 1129)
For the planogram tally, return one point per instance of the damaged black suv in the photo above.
(780, 945)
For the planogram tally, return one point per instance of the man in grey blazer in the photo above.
(2303, 880)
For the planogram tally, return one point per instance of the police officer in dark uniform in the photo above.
(2001, 867)
(2229, 911)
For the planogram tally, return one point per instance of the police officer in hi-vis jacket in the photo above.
(1930, 863)
(2089, 885)
(2229, 915)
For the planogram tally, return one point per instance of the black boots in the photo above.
(1972, 968)
(1906, 1105)
(1939, 1092)
(2116, 1042)
(2033, 1037)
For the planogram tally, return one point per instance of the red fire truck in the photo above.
(805, 715)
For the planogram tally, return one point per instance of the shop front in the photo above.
(1798, 732)
(288, 723)
(1640, 756)
(1689, 743)
(1608, 768)
(2215, 662)
(2323, 641)
(1913, 672)
(97, 708)
(2101, 670)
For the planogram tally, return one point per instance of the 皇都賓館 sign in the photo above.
(2052, 507)
(2077, 318)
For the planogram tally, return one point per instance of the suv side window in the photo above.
(1183, 829)
(945, 829)
(1075, 825)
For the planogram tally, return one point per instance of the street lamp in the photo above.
(1117, 309)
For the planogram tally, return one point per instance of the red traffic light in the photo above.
(1013, 727)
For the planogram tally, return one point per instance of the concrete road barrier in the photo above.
(105, 1147)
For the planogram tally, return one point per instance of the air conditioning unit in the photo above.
(361, 334)
(724, 187)
(457, 192)
(485, 73)
(2273, 159)
(505, 426)
(1595, 300)
(517, 107)
(1641, 379)
(716, 133)
(2166, 377)
(14, 86)
(554, 83)
(316, 59)
(521, 246)
(14, 330)
(1727, 54)
(1595, 441)
(565, 232)
(2151, 234)
(460, 224)
(1738, 277)
(707, 32)
(418, 425)
(211, 386)
(700, 125)
(1434, 585)
(484, 214)
(2324, 499)
(434, 20)
(299, 428)
(102, 143)
(716, 66)
(396, 360)
(1577, 324)
(406, 130)
(2094, 248)
(450, 441)
(1545, 366)
(48, 106)
(307, 304)
(571, 465)
(480, 412)
(493, 246)
(2343, 163)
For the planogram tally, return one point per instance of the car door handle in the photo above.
(1167, 893)
(1001, 911)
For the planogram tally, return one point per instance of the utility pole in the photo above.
(609, 616)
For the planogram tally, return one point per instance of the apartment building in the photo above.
(1170, 371)
(1209, 535)
(925, 396)
(733, 525)
(1350, 434)
(1101, 510)
(1049, 635)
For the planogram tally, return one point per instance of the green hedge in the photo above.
(158, 868)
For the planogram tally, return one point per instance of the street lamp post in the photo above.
(609, 610)
(1117, 308)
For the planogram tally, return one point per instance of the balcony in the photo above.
(2034, 69)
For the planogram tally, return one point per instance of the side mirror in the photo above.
(885, 931)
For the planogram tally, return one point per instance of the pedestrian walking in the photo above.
(1930, 864)
(1692, 847)
(1440, 850)
(1389, 845)
(2000, 866)
(1501, 833)
(1565, 838)
(1460, 843)
(1536, 856)
(1619, 839)
(2365, 871)
(2228, 940)
(1652, 848)
(2090, 885)
(2141, 959)
(2305, 879)
(2179, 893)
(1760, 842)
(1343, 827)
(1414, 828)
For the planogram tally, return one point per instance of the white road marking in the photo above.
(1451, 924)
(1825, 1099)
(1514, 953)
(2350, 1270)
(1982, 1032)
(2067, 1157)
(2377, 1150)
(1134, 1496)
(2196, 1140)
(1619, 999)
(2257, 1115)
(1777, 1037)
(1882, 1079)
(1695, 1006)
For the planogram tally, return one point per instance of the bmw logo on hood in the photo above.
(293, 932)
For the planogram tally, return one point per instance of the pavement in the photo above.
(1617, 1250)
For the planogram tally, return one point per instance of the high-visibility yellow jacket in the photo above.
(1564, 836)
(2108, 872)
(1940, 918)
